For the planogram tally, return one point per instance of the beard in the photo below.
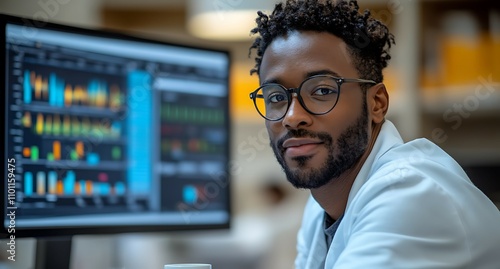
(349, 148)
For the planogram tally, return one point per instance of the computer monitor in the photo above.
(109, 133)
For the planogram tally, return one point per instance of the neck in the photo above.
(333, 196)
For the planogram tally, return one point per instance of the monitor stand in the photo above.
(53, 253)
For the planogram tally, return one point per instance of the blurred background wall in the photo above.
(443, 80)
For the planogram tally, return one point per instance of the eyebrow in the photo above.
(322, 72)
(308, 74)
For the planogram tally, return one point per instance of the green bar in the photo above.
(73, 155)
(176, 113)
(75, 127)
(85, 126)
(50, 156)
(34, 153)
(48, 126)
(116, 153)
(56, 125)
(66, 127)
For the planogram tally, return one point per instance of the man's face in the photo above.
(315, 149)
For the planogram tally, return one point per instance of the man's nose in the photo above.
(296, 116)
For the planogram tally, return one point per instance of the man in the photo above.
(376, 202)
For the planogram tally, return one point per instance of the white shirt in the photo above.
(411, 206)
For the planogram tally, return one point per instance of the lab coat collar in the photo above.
(388, 138)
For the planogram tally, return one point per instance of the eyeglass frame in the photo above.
(290, 91)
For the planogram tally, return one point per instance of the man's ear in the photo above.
(378, 100)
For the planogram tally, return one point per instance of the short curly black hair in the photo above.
(368, 40)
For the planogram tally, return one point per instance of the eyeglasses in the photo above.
(318, 95)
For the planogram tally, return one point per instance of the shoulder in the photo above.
(415, 169)
(419, 201)
(418, 160)
(417, 186)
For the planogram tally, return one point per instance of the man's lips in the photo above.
(295, 147)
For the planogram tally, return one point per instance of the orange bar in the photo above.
(56, 148)
(52, 186)
(78, 189)
(100, 99)
(59, 187)
(26, 152)
(38, 87)
(40, 183)
(79, 149)
(68, 95)
(88, 187)
(45, 90)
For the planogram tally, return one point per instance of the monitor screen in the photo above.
(105, 132)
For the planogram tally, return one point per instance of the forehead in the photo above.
(300, 53)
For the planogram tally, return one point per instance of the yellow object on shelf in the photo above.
(464, 60)
(242, 84)
(464, 50)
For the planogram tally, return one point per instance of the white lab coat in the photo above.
(411, 206)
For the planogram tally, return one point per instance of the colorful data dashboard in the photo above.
(108, 130)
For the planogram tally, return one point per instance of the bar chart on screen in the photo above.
(70, 133)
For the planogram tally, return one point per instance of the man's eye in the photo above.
(276, 97)
(324, 91)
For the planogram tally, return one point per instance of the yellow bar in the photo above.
(27, 119)
(68, 96)
(39, 124)
(78, 95)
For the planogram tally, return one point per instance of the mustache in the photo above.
(302, 133)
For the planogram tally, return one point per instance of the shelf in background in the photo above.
(481, 99)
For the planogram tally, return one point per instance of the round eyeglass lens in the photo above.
(319, 94)
(272, 101)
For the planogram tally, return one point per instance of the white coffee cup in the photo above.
(188, 266)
